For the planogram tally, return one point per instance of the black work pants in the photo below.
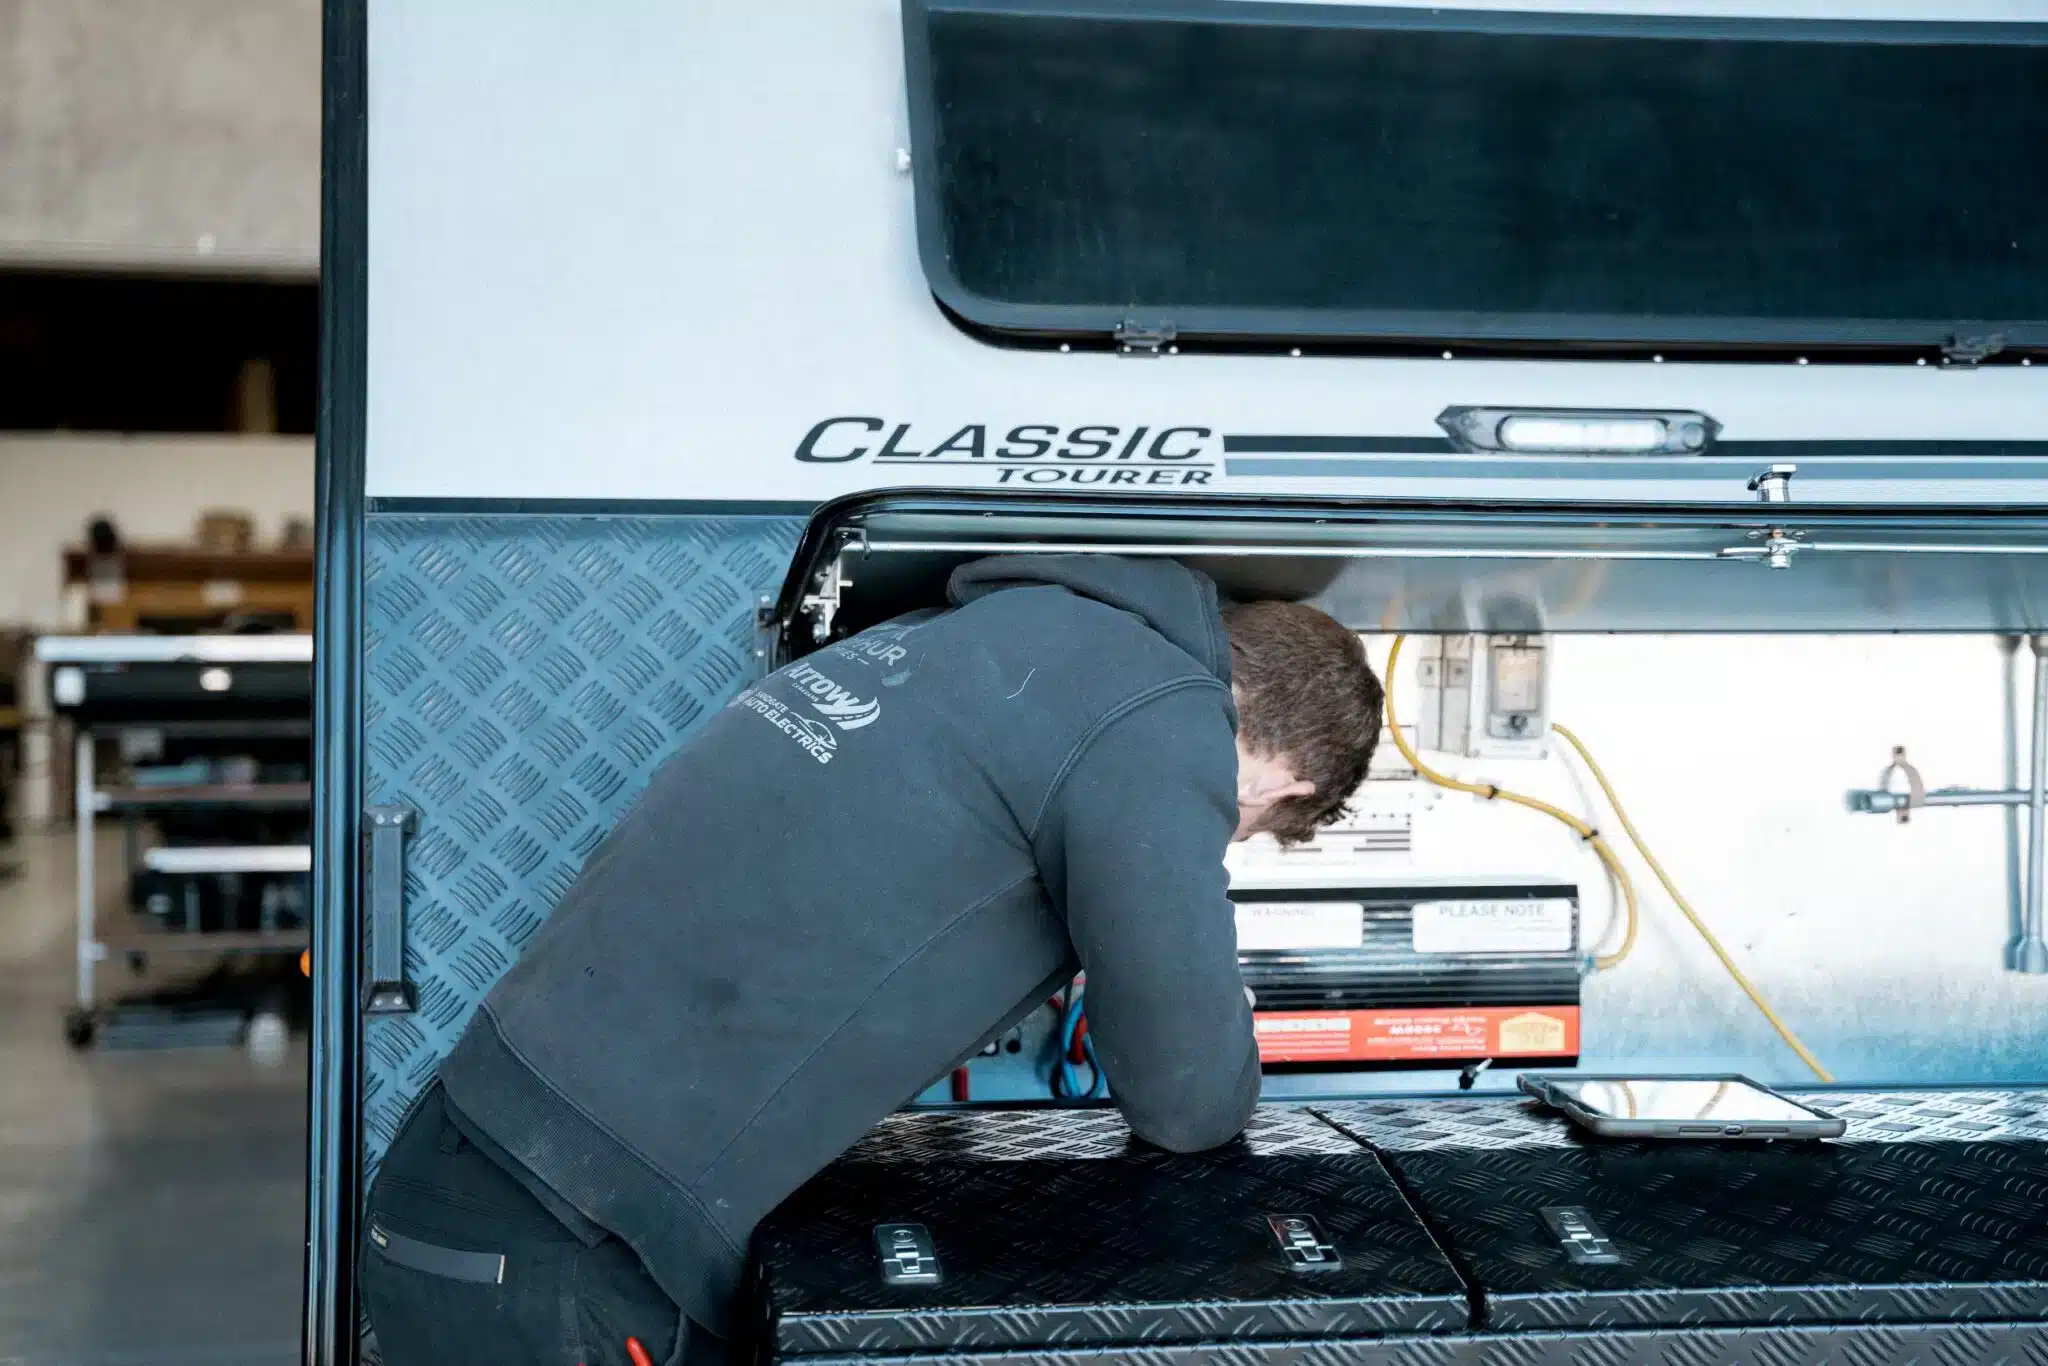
(461, 1264)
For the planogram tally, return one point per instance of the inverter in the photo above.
(1412, 975)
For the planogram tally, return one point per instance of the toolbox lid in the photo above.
(1943, 1218)
(1053, 1228)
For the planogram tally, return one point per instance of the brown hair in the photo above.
(1305, 694)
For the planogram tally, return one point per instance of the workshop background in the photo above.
(159, 304)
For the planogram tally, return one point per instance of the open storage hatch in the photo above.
(1458, 567)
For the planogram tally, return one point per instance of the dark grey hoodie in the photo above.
(858, 873)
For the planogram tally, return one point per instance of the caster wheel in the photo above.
(267, 1039)
(80, 1027)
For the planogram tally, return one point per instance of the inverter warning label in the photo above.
(1449, 1033)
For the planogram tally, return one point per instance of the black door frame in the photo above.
(334, 1114)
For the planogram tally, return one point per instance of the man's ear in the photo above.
(1271, 789)
(1257, 793)
(1300, 787)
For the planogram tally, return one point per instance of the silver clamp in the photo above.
(1916, 789)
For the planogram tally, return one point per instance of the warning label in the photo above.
(1452, 1033)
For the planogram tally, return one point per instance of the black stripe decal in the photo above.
(1335, 445)
(588, 507)
(1755, 450)
(485, 1268)
(1771, 450)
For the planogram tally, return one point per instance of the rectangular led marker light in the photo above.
(1568, 431)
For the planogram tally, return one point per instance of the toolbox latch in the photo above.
(1581, 1238)
(1302, 1243)
(908, 1257)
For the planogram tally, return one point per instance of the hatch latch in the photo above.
(1773, 485)
(1776, 545)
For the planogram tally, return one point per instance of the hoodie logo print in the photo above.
(833, 702)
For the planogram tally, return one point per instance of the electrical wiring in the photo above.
(1607, 856)
(1066, 1076)
(1685, 907)
(1584, 831)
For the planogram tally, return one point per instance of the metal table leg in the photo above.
(85, 784)
(80, 1025)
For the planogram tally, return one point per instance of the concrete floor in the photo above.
(150, 1201)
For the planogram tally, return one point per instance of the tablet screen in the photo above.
(1726, 1102)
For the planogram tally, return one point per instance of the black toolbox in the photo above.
(1469, 1231)
(1921, 1235)
(1026, 1230)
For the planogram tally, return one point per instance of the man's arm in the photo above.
(1133, 847)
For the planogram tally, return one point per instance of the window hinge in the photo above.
(1144, 339)
(1970, 348)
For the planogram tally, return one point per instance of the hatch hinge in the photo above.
(821, 604)
(1143, 339)
(1971, 348)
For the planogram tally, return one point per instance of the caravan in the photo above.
(1675, 374)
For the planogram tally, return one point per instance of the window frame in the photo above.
(1235, 328)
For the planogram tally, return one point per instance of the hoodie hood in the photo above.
(1176, 601)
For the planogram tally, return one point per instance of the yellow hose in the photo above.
(1678, 899)
(1607, 856)
(1501, 794)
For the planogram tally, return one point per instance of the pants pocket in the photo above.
(529, 1317)
(462, 1264)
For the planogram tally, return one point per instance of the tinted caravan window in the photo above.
(1263, 169)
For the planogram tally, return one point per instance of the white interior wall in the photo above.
(1881, 944)
(154, 487)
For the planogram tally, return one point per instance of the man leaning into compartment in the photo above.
(866, 867)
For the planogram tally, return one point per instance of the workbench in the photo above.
(250, 689)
